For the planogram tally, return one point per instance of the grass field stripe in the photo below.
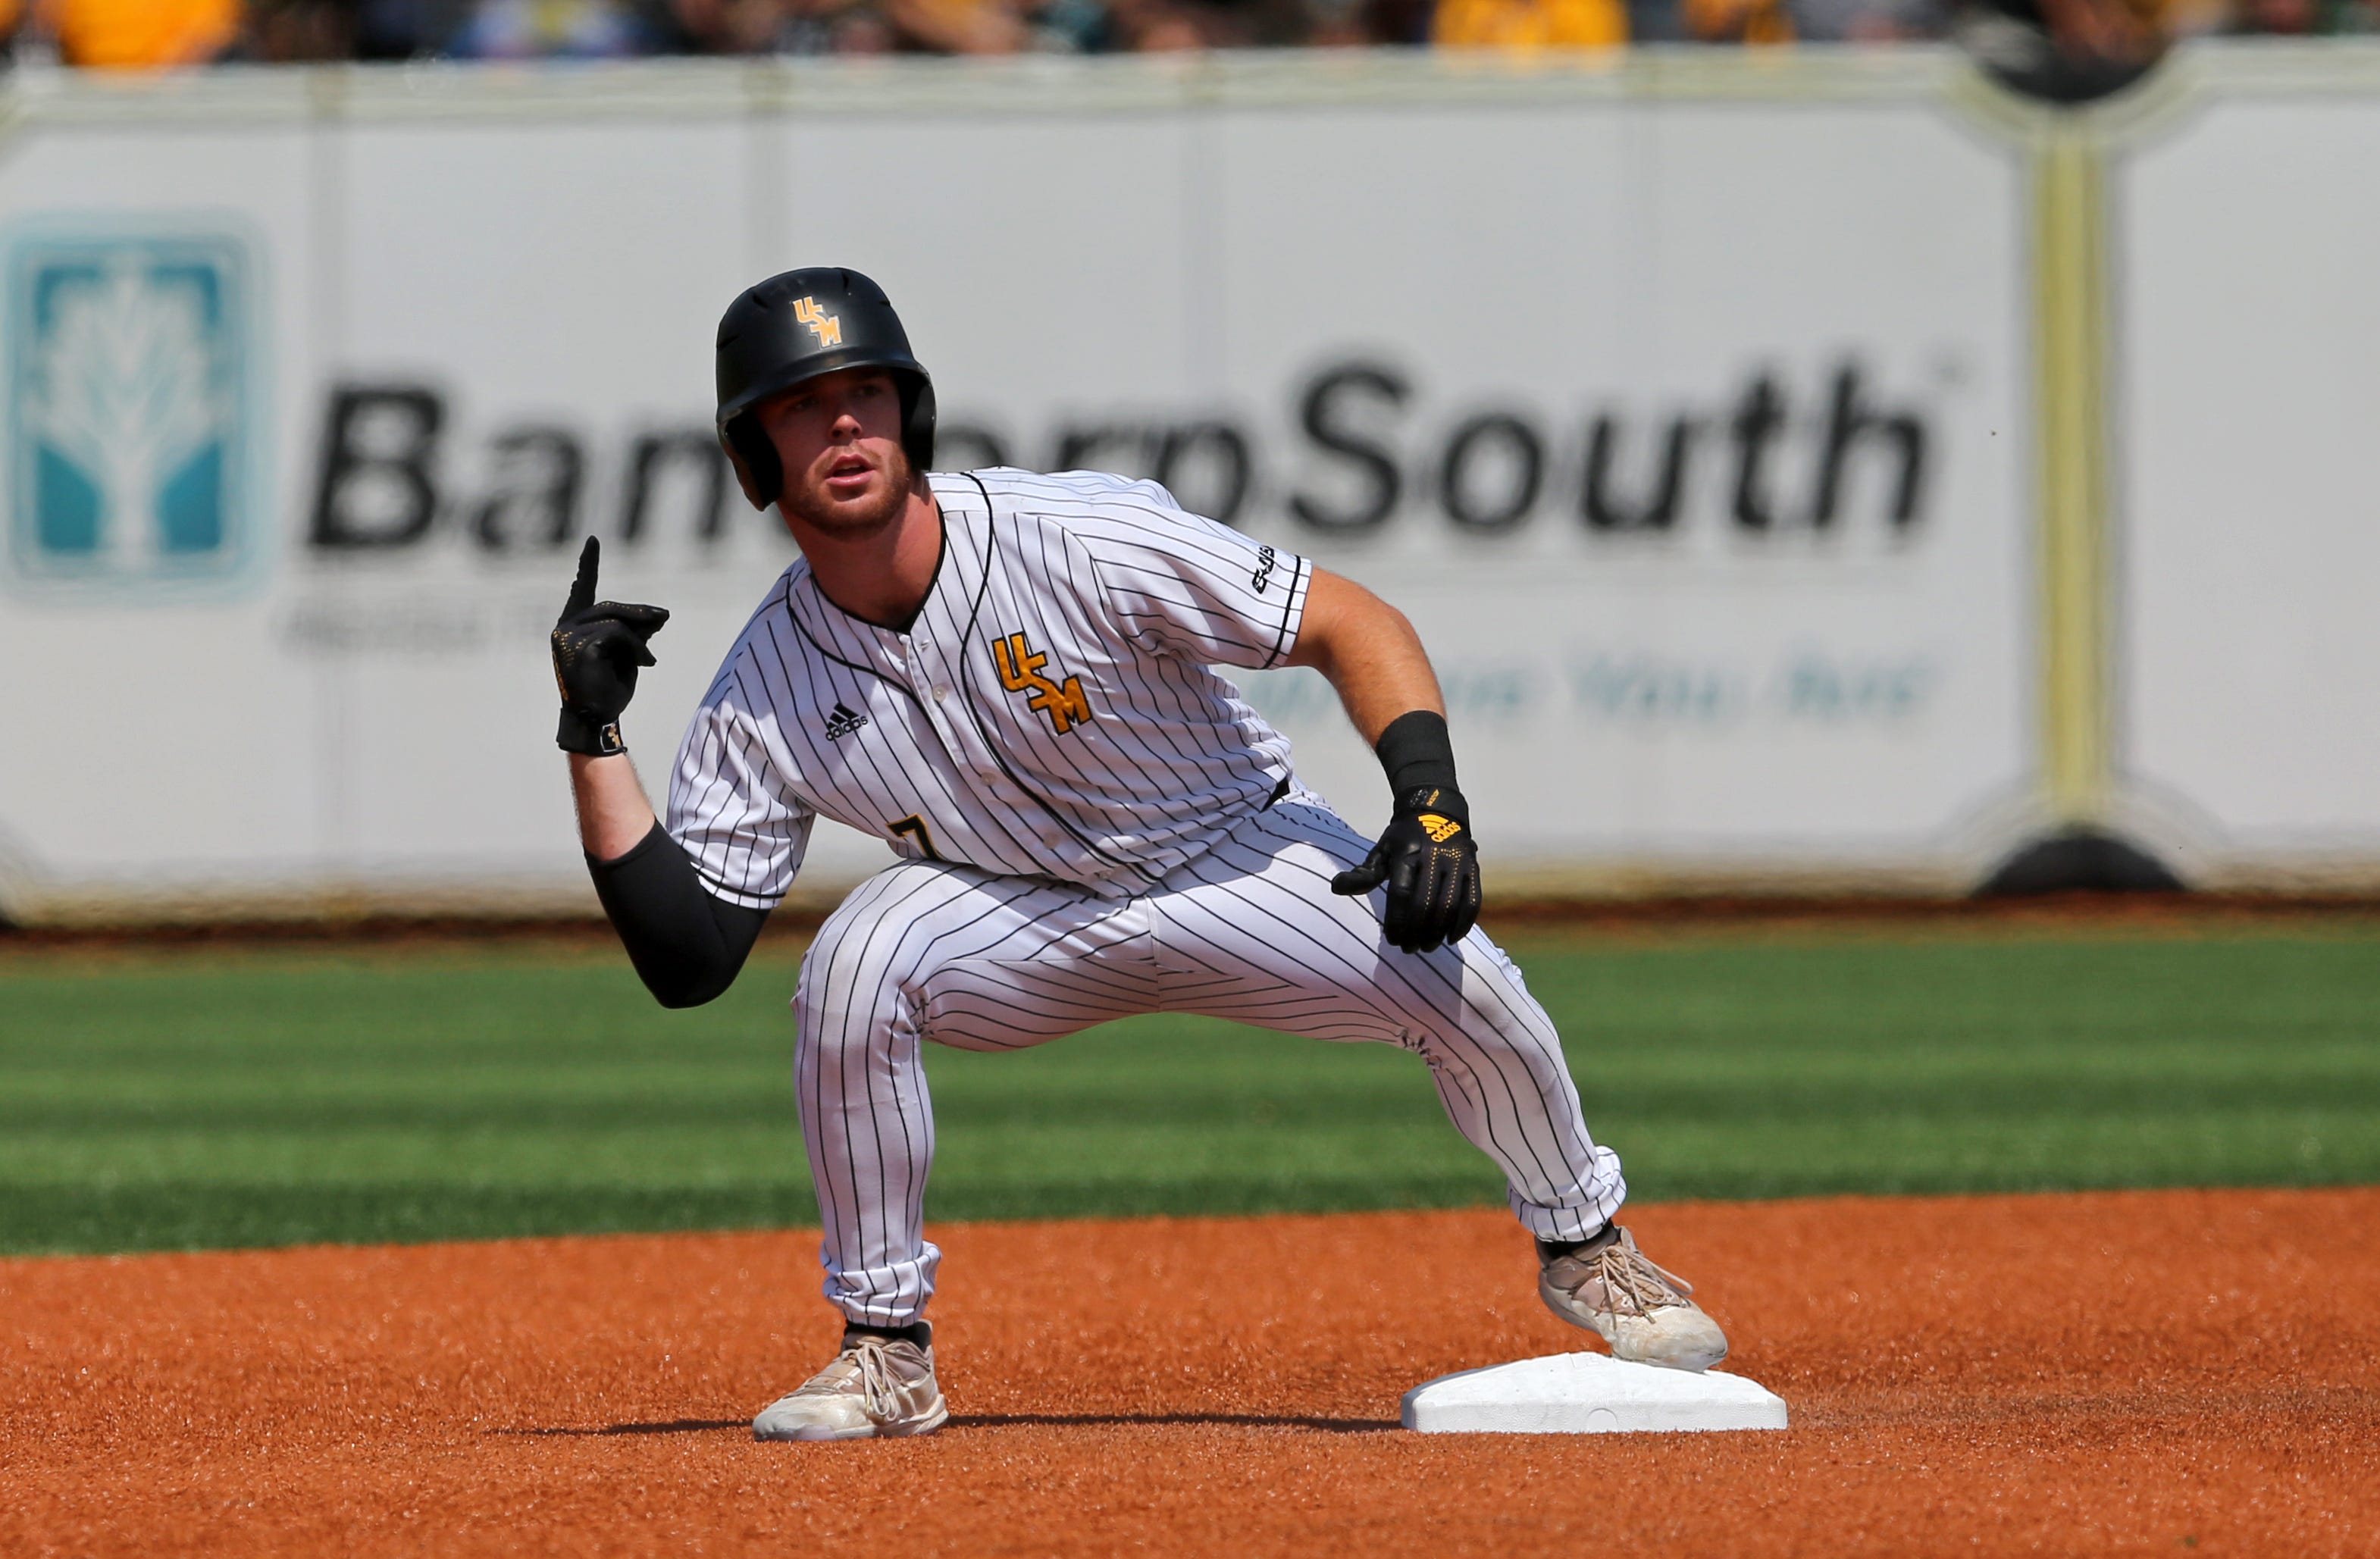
(227, 1096)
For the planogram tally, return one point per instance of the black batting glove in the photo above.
(598, 647)
(1428, 858)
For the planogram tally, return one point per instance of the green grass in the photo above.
(193, 1099)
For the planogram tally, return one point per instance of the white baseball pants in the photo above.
(1249, 931)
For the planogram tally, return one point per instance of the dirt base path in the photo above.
(2176, 1372)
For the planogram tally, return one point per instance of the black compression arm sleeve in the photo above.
(687, 945)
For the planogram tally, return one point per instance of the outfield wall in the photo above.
(1699, 410)
(2245, 519)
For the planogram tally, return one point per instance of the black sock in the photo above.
(918, 1331)
(1555, 1249)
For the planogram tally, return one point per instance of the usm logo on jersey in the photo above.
(827, 327)
(1020, 671)
(132, 419)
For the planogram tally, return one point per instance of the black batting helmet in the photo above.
(797, 326)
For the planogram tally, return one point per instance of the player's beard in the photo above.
(842, 520)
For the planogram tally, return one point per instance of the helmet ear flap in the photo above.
(757, 469)
(918, 421)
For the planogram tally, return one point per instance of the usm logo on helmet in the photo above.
(1020, 671)
(823, 325)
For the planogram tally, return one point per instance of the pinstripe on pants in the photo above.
(1248, 931)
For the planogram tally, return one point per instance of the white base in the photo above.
(1587, 1393)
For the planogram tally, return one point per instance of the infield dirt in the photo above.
(2153, 1372)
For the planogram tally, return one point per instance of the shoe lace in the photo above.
(878, 1391)
(1632, 1283)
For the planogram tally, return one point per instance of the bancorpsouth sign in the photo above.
(1832, 445)
(133, 412)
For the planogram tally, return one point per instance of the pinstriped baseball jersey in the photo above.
(1051, 711)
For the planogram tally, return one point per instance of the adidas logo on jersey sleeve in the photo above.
(841, 721)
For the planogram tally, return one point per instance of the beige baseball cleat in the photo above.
(877, 1387)
(1644, 1312)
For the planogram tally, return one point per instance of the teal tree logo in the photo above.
(129, 415)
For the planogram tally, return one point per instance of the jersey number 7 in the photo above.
(915, 828)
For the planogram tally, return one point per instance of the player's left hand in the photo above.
(1431, 864)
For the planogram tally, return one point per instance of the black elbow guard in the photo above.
(686, 944)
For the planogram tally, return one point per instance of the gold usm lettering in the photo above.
(825, 326)
(1020, 671)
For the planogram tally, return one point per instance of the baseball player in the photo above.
(1009, 679)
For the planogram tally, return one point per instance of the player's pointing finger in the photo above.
(582, 589)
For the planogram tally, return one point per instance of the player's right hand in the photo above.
(597, 646)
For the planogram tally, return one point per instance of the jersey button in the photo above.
(940, 692)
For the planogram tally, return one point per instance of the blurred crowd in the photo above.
(137, 34)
